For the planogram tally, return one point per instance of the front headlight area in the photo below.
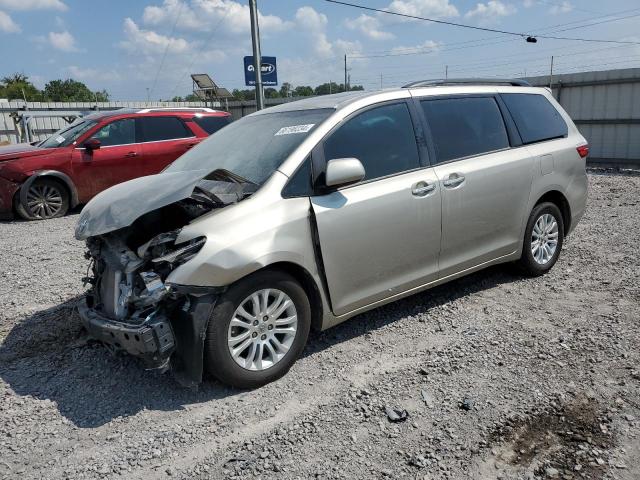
(128, 283)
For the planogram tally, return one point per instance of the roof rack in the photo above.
(177, 109)
(468, 81)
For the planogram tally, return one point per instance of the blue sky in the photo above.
(128, 46)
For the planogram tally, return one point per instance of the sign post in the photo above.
(255, 39)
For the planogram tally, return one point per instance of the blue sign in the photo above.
(269, 71)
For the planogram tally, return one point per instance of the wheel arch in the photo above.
(306, 281)
(55, 174)
(558, 198)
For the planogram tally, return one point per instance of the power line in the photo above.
(473, 27)
(166, 49)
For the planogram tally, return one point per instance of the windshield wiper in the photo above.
(222, 175)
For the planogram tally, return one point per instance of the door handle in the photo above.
(132, 154)
(453, 180)
(422, 189)
(190, 145)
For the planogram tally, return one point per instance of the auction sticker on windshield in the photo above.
(60, 139)
(295, 129)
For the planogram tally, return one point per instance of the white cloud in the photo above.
(7, 25)
(227, 16)
(33, 5)
(62, 41)
(314, 25)
(423, 8)
(564, 7)
(90, 74)
(490, 12)
(427, 46)
(149, 42)
(369, 26)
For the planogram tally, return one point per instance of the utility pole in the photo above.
(551, 75)
(446, 72)
(147, 94)
(346, 85)
(257, 59)
(380, 81)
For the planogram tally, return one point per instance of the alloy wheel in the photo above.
(544, 239)
(262, 329)
(44, 201)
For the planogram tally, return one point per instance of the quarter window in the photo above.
(536, 119)
(463, 127)
(212, 124)
(120, 132)
(382, 138)
(155, 129)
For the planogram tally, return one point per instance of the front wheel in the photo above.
(46, 198)
(257, 330)
(543, 239)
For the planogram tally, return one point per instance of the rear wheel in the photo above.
(257, 330)
(46, 198)
(543, 239)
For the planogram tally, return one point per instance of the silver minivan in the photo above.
(308, 213)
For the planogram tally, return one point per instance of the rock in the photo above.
(551, 472)
(396, 415)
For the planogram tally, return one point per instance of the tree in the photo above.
(286, 89)
(326, 88)
(72, 91)
(18, 87)
(247, 94)
(271, 93)
(192, 97)
(303, 91)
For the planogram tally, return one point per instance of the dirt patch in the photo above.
(565, 441)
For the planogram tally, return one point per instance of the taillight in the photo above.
(583, 150)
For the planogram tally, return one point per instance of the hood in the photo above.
(122, 204)
(21, 150)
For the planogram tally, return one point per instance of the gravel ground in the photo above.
(501, 377)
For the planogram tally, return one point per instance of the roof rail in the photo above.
(177, 109)
(468, 81)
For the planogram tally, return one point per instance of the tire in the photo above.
(55, 202)
(542, 261)
(218, 356)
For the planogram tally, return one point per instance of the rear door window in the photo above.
(120, 132)
(155, 129)
(382, 138)
(212, 124)
(536, 119)
(464, 127)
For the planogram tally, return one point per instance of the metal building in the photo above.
(605, 105)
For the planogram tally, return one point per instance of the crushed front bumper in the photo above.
(7, 190)
(153, 341)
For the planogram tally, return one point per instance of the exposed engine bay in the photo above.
(130, 306)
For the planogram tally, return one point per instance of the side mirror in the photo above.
(343, 171)
(91, 145)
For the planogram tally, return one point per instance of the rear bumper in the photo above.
(7, 191)
(153, 341)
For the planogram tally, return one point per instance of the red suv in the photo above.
(95, 152)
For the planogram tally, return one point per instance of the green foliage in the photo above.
(287, 90)
(72, 91)
(18, 87)
(303, 91)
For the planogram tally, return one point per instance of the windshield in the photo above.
(254, 146)
(67, 135)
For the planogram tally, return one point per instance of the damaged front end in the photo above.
(131, 307)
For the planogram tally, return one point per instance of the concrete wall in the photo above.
(605, 106)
